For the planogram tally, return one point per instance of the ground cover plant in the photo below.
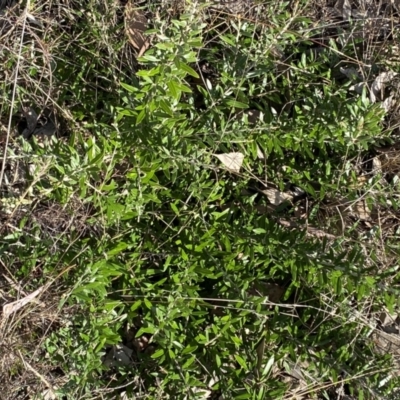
(199, 200)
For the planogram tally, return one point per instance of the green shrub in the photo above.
(178, 251)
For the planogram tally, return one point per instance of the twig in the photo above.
(3, 166)
(41, 377)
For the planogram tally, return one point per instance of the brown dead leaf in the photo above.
(260, 154)
(314, 232)
(378, 86)
(376, 165)
(273, 291)
(232, 161)
(388, 319)
(343, 8)
(310, 231)
(346, 9)
(135, 26)
(387, 343)
(276, 197)
(361, 181)
(13, 307)
(362, 211)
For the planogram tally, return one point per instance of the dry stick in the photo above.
(3, 166)
(41, 377)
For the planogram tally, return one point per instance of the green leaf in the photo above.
(148, 57)
(184, 255)
(227, 40)
(189, 70)
(218, 360)
(243, 396)
(118, 249)
(129, 88)
(241, 361)
(140, 117)
(171, 354)
(174, 209)
(149, 73)
(164, 106)
(268, 366)
(174, 90)
(189, 362)
(136, 305)
(145, 329)
(189, 349)
(158, 353)
(183, 87)
(148, 304)
(236, 104)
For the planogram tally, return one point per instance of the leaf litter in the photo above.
(276, 197)
(13, 307)
(135, 26)
(232, 161)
